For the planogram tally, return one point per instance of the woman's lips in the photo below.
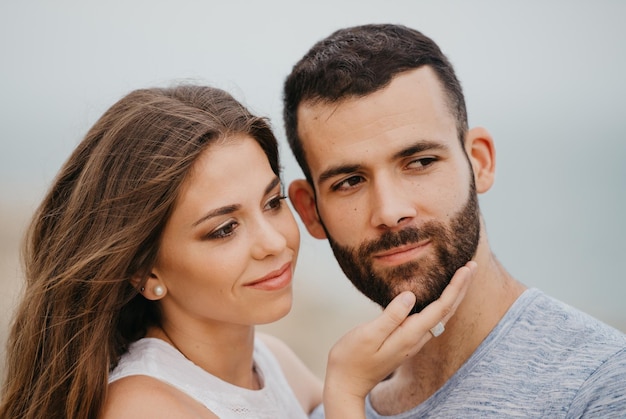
(275, 280)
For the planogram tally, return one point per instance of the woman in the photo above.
(163, 240)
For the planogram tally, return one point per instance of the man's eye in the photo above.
(347, 183)
(224, 231)
(421, 163)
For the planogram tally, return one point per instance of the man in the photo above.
(376, 119)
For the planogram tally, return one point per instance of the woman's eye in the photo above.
(422, 162)
(275, 203)
(224, 231)
(348, 183)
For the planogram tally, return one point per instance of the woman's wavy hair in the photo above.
(97, 229)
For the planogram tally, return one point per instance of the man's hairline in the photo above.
(317, 100)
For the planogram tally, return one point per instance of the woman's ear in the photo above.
(302, 198)
(152, 289)
(481, 151)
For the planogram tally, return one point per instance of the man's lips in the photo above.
(401, 254)
(274, 280)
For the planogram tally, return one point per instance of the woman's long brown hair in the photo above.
(97, 229)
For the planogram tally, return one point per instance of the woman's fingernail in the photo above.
(408, 299)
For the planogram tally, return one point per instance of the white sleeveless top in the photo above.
(156, 358)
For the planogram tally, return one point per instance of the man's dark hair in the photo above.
(360, 60)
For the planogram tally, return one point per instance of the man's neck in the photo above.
(491, 294)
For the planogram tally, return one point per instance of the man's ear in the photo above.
(302, 198)
(482, 154)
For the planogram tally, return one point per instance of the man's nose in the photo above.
(391, 203)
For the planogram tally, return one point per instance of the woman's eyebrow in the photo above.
(275, 182)
(229, 209)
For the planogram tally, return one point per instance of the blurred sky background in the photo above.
(545, 77)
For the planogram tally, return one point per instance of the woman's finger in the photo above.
(415, 331)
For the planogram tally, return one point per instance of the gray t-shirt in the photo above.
(544, 359)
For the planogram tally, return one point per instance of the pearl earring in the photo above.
(158, 290)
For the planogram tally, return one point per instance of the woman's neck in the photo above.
(226, 354)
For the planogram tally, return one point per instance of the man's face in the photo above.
(394, 189)
(453, 246)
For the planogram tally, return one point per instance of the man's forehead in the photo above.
(416, 90)
(411, 107)
(312, 112)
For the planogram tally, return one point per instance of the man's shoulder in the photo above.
(548, 319)
(546, 341)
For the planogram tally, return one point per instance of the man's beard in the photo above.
(454, 245)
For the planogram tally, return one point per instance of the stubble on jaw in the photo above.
(454, 245)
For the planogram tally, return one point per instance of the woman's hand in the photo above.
(371, 351)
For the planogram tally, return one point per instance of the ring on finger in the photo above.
(437, 330)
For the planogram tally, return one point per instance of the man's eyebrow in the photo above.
(418, 147)
(337, 170)
(228, 209)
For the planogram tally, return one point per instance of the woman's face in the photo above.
(229, 250)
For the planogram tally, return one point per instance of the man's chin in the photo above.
(382, 291)
(427, 289)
